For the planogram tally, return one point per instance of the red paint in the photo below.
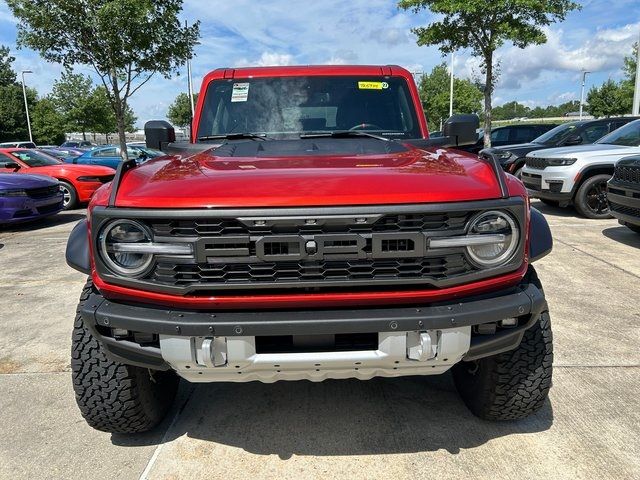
(205, 180)
(62, 171)
(311, 71)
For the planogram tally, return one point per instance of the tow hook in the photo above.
(422, 346)
(214, 352)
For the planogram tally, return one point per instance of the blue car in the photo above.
(28, 197)
(109, 156)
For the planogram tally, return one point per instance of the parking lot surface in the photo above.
(385, 428)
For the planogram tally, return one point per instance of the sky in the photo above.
(282, 32)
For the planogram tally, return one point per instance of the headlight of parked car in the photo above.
(13, 192)
(122, 245)
(560, 162)
(502, 155)
(497, 236)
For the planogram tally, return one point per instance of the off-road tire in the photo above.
(510, 385)
(581, 199)
(112, 396)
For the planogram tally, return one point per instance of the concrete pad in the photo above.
(39, 296)
(403, 428)
(44, 436)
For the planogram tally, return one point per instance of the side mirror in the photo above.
(12, 166)
(158, 134)
(462, 128)
(573, 140)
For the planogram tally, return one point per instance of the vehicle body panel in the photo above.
(42, 198)
(64, 171)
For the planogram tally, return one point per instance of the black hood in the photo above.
(520, 150)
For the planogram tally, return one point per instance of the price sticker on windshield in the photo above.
(240, 92)
(372, 85)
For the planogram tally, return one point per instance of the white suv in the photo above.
(578, 175)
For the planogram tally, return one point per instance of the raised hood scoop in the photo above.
(310, 172)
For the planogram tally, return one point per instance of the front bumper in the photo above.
(221, 346)
(549, 187)
(624, 202)
(24, 209)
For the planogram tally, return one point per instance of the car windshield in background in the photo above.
(557, 134)
(290, 106)
(35, 159)
(627, 136)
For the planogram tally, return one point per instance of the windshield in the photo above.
(35, 159)
(556, 135)
(627, 136)
(290, 106)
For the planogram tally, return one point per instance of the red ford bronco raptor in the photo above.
(310, 230)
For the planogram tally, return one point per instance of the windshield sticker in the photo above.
(372, 85)
(240, 92)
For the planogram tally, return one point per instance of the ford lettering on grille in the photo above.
(275, 248)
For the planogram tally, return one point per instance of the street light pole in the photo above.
(584, 79)
(636, 91)
(451, 88)
(26, 106)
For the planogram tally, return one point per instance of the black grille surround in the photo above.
(43, 192)
(537, 163)
(255, 251)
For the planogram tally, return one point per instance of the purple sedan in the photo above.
(28, 197)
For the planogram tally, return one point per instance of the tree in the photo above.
(483, 27)
(434, 92)
(509, 111)
(608, 99)
(630, 62)
(7, 75)
(13, 118)
(126, 42)
(48, 124)
(71, 96)
(103, 118)
(179, 112)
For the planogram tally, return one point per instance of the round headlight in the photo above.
(502, 244)
(113, 240)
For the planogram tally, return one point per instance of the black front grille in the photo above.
(532, 182)
(54, 207)
(537, 163)
(387, 223)
(273, 272)
(628, 174)
(43, 192)
(624, 210)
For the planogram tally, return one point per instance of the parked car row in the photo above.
(572, 163)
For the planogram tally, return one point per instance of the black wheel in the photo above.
(591, 198)
(551, 203)
(114, 397)
(513, 384)
(70, 195)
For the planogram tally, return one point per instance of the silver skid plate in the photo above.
(234, 359)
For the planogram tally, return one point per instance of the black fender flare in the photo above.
(77, 254)
(540, 239)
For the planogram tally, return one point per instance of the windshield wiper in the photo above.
(343, 134)
(235, 136)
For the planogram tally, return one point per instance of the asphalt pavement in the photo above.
(412, 427)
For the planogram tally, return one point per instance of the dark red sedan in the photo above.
(77, 182)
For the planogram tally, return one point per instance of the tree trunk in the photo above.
(120, 108)
(488, 91)
(84, 135)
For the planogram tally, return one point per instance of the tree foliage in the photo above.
(126, 42)
(7, 75)
(179, 112)
(483, 27)
(71, 95)
(13, 118)
(48, 124)
(434, 92)
(609, 99)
